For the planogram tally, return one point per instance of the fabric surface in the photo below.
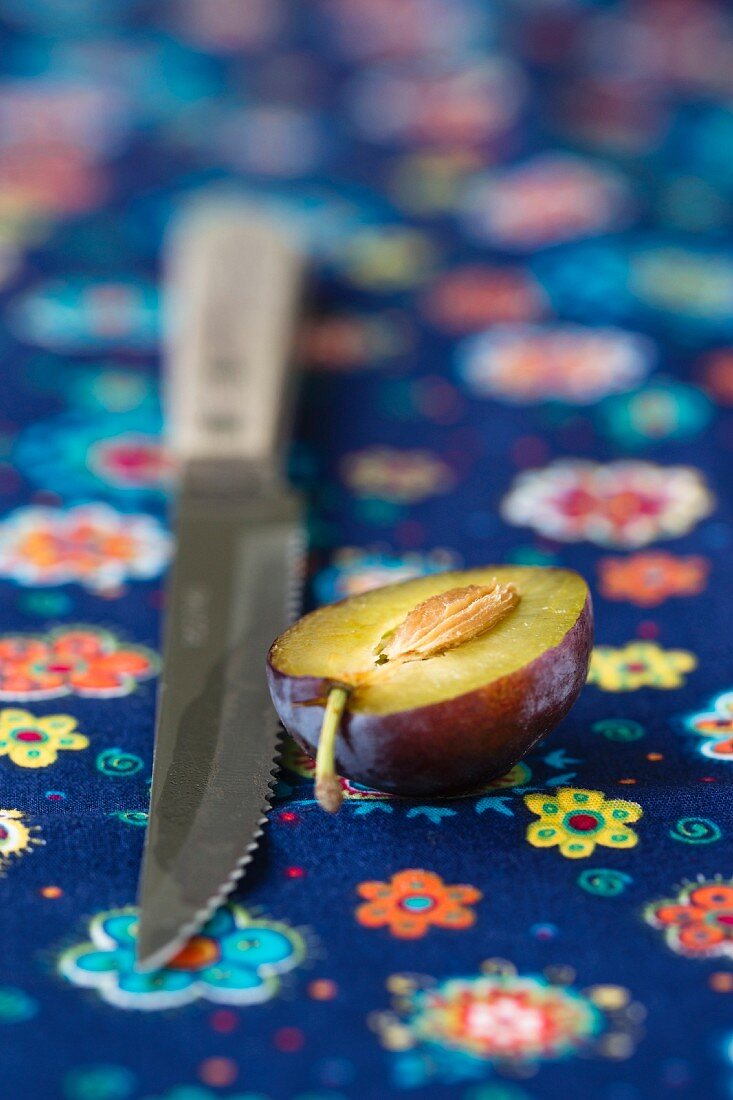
(519, 351)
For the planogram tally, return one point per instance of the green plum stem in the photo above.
(329, 792)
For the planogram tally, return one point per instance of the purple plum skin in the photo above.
(449, 747)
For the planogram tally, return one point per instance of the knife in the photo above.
(233, 290)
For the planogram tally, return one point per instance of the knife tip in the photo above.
(148, 960)
(153, 951)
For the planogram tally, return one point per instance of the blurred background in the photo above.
(479, 184)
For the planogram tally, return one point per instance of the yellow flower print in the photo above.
(576, 820)
(32, 742)
(639, 664)
(16, 836)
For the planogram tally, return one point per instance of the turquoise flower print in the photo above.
(80, 315)
(661, 411)
(235, 959)
(90, 454)
(587, 280)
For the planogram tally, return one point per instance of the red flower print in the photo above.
(469, 298)
(131, 461)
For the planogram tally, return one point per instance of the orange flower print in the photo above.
(699, 921)
(91, 544)
(81, 660)
(414, 900)
(648, 579)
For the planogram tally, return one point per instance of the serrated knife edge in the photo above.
(157, 959)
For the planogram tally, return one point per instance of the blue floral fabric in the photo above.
(518, 350)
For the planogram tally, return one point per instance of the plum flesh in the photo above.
(447, 723)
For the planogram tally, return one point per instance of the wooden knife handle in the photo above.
(233, 290)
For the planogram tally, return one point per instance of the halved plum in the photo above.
(437, 685)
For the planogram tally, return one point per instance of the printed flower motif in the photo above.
(16, 837)
(624, 504)
(546, 200)
(131, 461)
(648, 579)
(353, 571)
(699, 921)
(502, 1018)
(428, 182)
(369, 31)
(350, 342)
(235, 959)
(112, 449)
(90, 119)
(716, 727)
(32, 742)
(118, 397)
(37, 183)
(639, 664)
(472, 103)
(91, 544)
(718, 375)
(576, 821)
(692, 286)
(81, 660)
(468, 298)
(386, 258)
(82, 315)
(664, 409)
(413, 901)
(524, 364)
(404, 477)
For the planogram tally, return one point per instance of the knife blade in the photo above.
(234, 285)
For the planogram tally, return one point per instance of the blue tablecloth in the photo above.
(519, 351)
